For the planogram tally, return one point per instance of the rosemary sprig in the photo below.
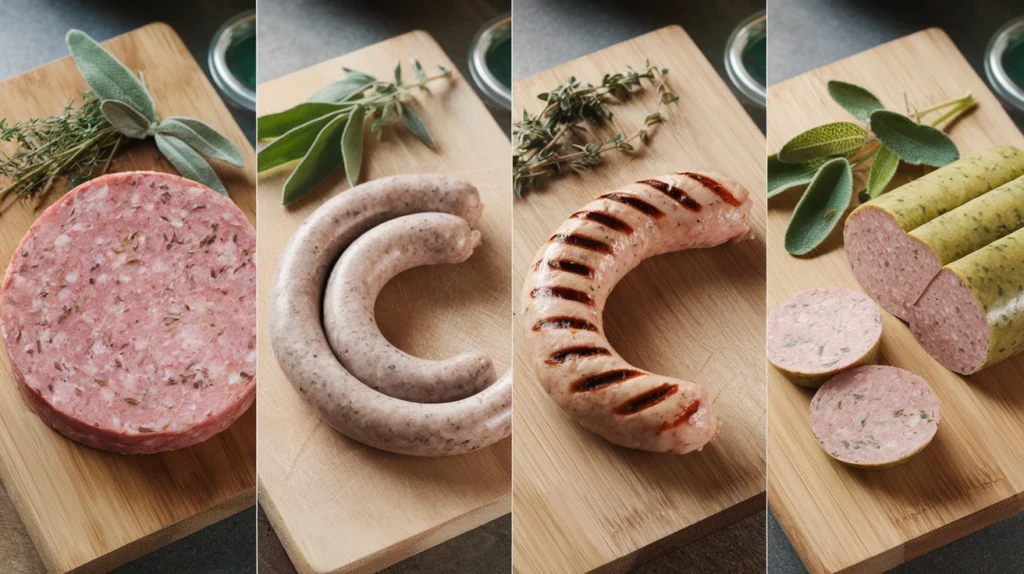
(73, 144)
(326, 131)
(553, 140)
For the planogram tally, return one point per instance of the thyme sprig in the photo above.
(73, 144)
(555, 139)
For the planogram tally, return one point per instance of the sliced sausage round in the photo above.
(874, 416)
(818, 333)
(128, 312)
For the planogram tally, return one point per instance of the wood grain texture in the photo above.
(337, 505)
(83, 508)
(580, 503)
(972, 475)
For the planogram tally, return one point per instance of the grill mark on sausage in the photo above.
(635, 203)
(717, 188)
(576, 353)
(603, 380)
(582, 241)
(564, 322)
(681, 418)
(562, 293)
(609, 221)
(571, 267)
(646, 400)
(673, 192)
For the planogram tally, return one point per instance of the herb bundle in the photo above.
(825, 157)
(84, 139)
(548, 143)
(326, 131)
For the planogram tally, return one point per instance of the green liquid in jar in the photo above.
(499, 61)
(241, 60)
(1013, 61)
(755, 58)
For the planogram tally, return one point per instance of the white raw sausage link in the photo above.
(363, 270)
(566, 290)
(306, 358)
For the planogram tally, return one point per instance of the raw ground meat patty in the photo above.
(128, 313)
(874, 416)
(818, 333)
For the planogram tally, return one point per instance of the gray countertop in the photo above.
(34, 35)
(550, 32)
(807, 34)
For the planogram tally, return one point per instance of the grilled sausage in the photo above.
(306, 358)
(894, 267)
(370, 262)
(566, 290)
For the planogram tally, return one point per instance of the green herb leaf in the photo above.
(274, 125)
(820, 208)
(125, 119)
(342, 90)
(108, 78)
(784, 176)
(398, 74)
(854, 99)
(202, 138)
(414, 122)
(323, 157)
(189, 163)
(418, 72)
(293, 144)
(883, 168)
(835, 139)
(914, 143)
(352, 145)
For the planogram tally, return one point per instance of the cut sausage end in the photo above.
(950, 324)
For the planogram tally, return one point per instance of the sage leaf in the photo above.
(914, 143)
(274, 125)
(189, 163)
(821, 207)
(125, 119)
(883, 168)
(854, 99)
(398, 74)
(342, 90)
(202, 138)
(293, 144)
(784, 176)
(323, 157)
(108, 78)
(418, 72)
(835, 139)
(352, 145)
(412, 120)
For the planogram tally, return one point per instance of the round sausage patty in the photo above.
(874, 416)
(128, 313)
(818, 333)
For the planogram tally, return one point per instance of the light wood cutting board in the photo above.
(972, 474)
(580, 503)
(337, 505)
(83, 508)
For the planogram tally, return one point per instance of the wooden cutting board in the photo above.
(83, 508)
(972, 474)
(581, 503)
(337, 505)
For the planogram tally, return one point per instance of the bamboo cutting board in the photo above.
(580, 503)
(337, 505)
(972, 474)
(83, 508)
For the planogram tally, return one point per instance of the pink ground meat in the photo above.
(128, 313)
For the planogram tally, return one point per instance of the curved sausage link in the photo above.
(363, 270)
(306, 358)
(568, 286)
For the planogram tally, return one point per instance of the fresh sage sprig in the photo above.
(128, 106)
(326, 131)
(825, 156)
(554, 140)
